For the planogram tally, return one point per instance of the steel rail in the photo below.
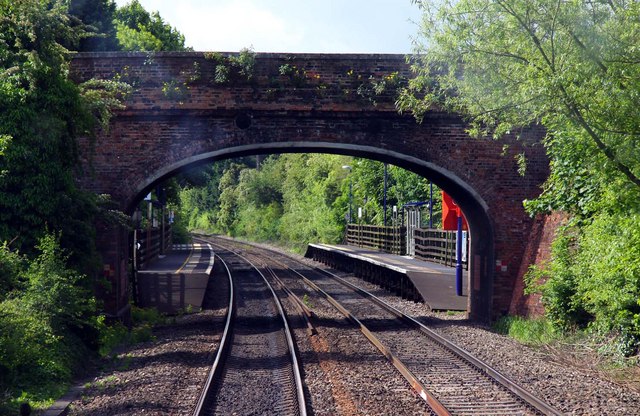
(216, 368)
(413, 380)
(503, 380)
(304, 309)
(522, 393)
(288, 335)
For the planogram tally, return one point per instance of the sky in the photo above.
(303, 26)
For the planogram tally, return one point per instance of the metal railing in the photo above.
(438, 246)
(150, 243)
(386, 239)
(433, 245)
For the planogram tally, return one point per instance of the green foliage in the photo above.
(138, 30)
(568, 65)
(102, 97)
(42, 112)
(228, 209)
(116, 335)
(610, 287)
(10, 265)
(47, 318)
(572, 67)
(593, 280)
(47, 311)
(244, 62)
(403, 186)
(98, 18)
(174, 91)
(527, 331)
(239, 66)
(295, 199)
(559, 291)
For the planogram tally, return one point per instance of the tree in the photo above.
(137, 30)
(41, 113)
(570, 65)
(573, 67)
(98, 17)
(227, 214)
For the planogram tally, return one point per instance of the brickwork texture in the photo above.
(193, 108)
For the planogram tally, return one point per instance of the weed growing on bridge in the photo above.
(175, 91)
(227, 68)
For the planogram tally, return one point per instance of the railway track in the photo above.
(256, 368)
(447, 377)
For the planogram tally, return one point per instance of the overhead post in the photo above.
(459, 253)
(430, 204)
(350, 194)
(384, 198)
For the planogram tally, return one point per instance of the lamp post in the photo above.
(350, 193)
(459, 253)
(384, 198)
(430, 204)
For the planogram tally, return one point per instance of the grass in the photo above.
(527, 331)
(117, 335)
(592, 353)
(39, 397)
(307, 301)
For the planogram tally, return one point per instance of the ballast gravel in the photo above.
(343, 374)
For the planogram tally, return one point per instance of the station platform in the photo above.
(431, 283)
(176, 281)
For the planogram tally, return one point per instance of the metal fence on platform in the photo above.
(385, 239)
(439, 246)
(434, 245)
(150, 243)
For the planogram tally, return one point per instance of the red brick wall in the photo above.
(328, 107)
(537, 252)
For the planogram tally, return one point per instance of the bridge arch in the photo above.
(475, 208)
(157, 135)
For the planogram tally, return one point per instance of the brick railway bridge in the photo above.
(194, 108)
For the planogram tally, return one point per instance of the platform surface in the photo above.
(178, 280)
(435, 282)
(184, 258)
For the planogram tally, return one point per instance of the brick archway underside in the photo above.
(158, 134)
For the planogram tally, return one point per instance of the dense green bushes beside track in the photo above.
(593, 280)
(47, 320)
(571, 67)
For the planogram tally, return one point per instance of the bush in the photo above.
(10, 265)
(593, 279)
(117, 335)
(46, 326)
(607, 270)
(558, 285)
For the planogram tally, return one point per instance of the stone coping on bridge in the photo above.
(274, 55)
(434, 283)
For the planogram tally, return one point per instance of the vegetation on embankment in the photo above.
(50, 322)
(294, 199)
(573, 68)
